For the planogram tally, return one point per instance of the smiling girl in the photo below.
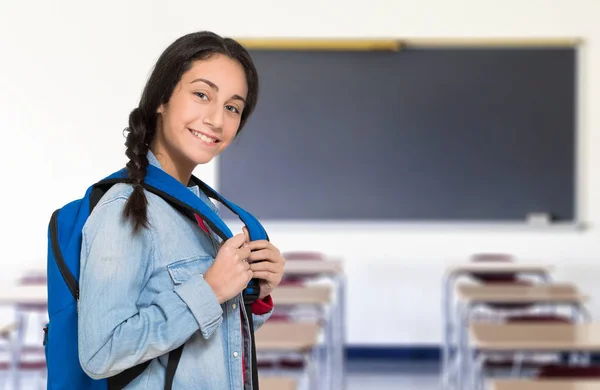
(150, 279)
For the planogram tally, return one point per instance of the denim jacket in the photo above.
(143, 295)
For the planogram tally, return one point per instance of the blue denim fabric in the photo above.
(144, 295)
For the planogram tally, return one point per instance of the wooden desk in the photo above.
(541, 293)
(556, 384)
(453, 273)
(294, 295)
(277, 383)
(298, 337)
(499, 268)
(7, 328)
(23, 295)
(535, 337)
(312, 267)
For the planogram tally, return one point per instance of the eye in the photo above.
(201, 95)
(232, 109)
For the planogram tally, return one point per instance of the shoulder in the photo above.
(118, 194)
(111, 206)
(108, 215)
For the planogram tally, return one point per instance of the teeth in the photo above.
(203, 137)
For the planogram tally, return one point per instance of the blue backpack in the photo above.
(64, 246)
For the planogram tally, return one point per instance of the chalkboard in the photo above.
(435, 134)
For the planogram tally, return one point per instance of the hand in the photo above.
(230, 272)
(266, 264)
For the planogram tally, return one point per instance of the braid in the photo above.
(137, 150)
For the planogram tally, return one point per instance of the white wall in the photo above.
(70, 74)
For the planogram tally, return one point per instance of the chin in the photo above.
(201, 158)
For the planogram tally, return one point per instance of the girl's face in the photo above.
(203, 115)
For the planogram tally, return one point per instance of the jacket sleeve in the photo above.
(261, 311)
(114, 332)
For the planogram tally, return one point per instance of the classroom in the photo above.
(427, 170)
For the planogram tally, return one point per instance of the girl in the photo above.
(150, 279)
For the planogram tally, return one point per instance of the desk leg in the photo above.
(582, 316)
(329, 347)
(462, 354)
(447, 298)
(17, 347)
(340, 328)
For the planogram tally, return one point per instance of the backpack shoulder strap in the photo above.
(252, 292)
(255, 229)
(171, 190)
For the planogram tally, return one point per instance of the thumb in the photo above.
(246, 233)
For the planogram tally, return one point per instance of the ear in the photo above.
(160, 109)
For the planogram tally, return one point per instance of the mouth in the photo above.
(207, 139)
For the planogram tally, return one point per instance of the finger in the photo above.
(246, 233)
(264, 275)
(263, 254)
(262, 244)
(243, 266)
(236, 241)
(264, 266)
(242, 253)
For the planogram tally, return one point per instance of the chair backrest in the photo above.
(564, 372)
(304, 255)
(495, 278)
(299, 280)
(543, 318)
(33, 278)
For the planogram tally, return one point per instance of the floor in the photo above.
(386, 375)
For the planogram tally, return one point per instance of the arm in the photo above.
(114, 333)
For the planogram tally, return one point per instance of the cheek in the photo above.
(231, 127)
(184, 114)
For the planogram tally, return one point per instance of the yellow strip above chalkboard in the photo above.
(341, 44)
(491, 42)
(322, 44)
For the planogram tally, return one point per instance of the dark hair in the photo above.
(177, 59)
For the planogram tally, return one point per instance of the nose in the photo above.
(214, 117)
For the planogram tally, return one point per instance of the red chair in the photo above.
(295, 280)
(561, 371)
(299, 280)
(493, 278)
(534, 318)
(507, 278)
(31, 357)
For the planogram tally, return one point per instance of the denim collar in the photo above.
(152, 160)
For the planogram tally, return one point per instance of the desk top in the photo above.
(535, 337)
(507, 293)
(38, 295)
(7, 328)
(297, 295)
(277, 383)
(313, 267)
(287, 336)
(32, 295)
(499, 268)
(555, 384)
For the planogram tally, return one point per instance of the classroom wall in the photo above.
(70, 74)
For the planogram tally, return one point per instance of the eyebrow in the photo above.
(216, 88)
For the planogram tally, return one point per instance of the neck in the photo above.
(171, 164)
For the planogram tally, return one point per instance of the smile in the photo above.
(204, 137)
